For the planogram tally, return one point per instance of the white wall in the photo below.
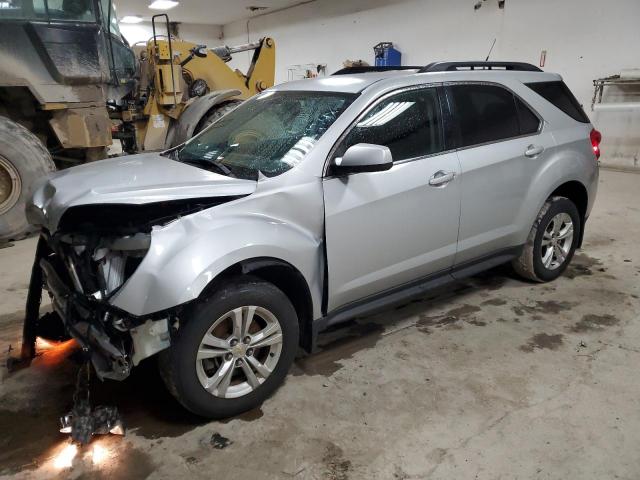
(584, 39)
(209, 35)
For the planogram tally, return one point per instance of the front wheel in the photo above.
(552, 241)
(234, 349)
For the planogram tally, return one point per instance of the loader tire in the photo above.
(23, 160)
(215, 113)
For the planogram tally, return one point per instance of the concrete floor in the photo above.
(495, 378)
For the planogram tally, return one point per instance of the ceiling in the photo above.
(210, 12)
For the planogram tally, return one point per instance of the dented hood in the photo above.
(134, 179)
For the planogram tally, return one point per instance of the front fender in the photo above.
(185, 256)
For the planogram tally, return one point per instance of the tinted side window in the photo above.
(485, 113)
(408, 123)
(560, 95)
(528, 121)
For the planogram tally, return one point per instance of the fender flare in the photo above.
(182, 130)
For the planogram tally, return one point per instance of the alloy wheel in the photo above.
(556, 241)
(239, 352)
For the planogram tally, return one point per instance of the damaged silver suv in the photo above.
(313, 202)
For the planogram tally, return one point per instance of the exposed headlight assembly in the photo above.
(118, 258)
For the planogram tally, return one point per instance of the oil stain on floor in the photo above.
(592, 322)
(336, 466)
(464, 312)
(581, 265)
(496, 302)
(543, 341)
(339, 344)
(27, 439)
(551, 307)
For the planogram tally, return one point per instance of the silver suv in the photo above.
(307, 205)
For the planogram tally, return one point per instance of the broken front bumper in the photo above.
(81, 318)
(114, 340)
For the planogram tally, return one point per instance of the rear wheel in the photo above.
(23, 160)
(234, 349)
(552, 241)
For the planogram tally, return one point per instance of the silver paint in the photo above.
(382, 229)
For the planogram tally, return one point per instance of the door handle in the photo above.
(441, 178)
(533, 150)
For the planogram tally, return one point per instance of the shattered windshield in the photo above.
(270, 133)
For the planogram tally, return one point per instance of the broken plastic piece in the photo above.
(82, 423)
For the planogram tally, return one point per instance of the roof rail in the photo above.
(453, 66)
(373, 68)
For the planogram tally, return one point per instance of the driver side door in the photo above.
(391, 228)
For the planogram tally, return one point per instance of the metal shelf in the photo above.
(613, 80)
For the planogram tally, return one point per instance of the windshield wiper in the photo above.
(171, 154)
(200, 162)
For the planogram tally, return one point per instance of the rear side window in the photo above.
(408, 123)
(485, 113)
(559, 94)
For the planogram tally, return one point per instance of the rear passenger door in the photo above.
(501, 144)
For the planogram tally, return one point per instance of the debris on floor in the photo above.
(220, 442)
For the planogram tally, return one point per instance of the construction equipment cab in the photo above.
(61, 60)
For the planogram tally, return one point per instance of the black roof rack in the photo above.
(454, 66)
(444, 67)
(365, 69)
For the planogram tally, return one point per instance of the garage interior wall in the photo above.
(584, 40)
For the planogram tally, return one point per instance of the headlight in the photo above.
(118, 258)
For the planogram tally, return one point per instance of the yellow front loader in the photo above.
(70, 83)
(183, 87)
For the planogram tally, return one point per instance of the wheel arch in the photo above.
(20, 105)
(285, 277)
(578, 194)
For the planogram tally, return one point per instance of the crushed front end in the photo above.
(97, 222)
(88, 259)
(81, 271)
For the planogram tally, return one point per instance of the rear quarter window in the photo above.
(559, 95)
(529, 122)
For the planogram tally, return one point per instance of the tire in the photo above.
(23, 160)
(540, 261)
(215, 113)
(185, 375)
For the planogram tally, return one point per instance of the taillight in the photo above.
(596, 138)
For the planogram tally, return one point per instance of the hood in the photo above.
(131, 180)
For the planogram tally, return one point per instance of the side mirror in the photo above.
(364, 157)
